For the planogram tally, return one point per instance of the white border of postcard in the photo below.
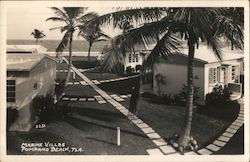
(167, 3)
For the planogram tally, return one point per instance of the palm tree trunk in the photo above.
(184, 138)
(36, 41)
(90, 44)
(70, 59)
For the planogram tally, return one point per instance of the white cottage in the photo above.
(208, 71)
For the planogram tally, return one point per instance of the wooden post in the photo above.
(118, 136)
(74, 75)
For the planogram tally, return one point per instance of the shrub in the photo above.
(138, 68)
(44, 108)
(167, 99)
(129, 70)
(12, 115)
(218, 95)
(181, 97)
(163, 99)
(160, 80)
(59, 88)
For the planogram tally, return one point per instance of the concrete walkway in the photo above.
(162, 147)
(226, 136)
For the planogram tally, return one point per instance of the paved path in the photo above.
(163, 148)
(229, 133)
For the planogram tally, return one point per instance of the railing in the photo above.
(235, 87)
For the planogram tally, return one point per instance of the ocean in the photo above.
(78, 45)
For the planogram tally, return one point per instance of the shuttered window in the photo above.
(213, 75)
(235, 72)
(11, 91)
(129, 57)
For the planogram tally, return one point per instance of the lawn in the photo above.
(168, 120)
(100, 75)
(92, 127)
(80, 91)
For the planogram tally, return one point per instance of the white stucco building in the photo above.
(208, 71)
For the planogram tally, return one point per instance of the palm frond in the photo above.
(60, 13)
(137, 15)
(73, 12)
(166, 46)
(87, 17)
(64, 42)
(57, 19)
(145, 35)
(230, 30)
(99, 40)
(112, 56)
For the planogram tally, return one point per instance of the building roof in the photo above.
(26, 48)
(206, 54)
(24, 62)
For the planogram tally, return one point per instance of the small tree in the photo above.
(160, 80)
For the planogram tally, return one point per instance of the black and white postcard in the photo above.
(124, 80)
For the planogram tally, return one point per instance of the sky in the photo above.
(22, 21)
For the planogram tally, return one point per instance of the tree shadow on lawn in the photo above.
(79, 91)
(99, 140)
(119, 87)
(80, 123)
(226, 112)
(98, 114)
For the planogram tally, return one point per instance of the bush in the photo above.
(59, 88)
(138, 68)
(160, 80)
(12, 115)
(163, 99)
(218, 96)
(44, 108)
(180, 98)
(129, 70)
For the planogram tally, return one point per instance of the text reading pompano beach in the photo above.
(48, 147)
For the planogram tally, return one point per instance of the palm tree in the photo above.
(193, 25)
(37, 34)
(92, 34)
(71, 17)
(112, 61)
(190, 24)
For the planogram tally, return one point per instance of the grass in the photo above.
(168, 120)
(100, 75)
(92, 127)
(79, 91)
(227, 112)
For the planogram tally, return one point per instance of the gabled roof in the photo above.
(24, 62)
(26, 48)
(206, 55)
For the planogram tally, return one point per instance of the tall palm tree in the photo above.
(37, 34)
(112, 60)
(92, 34)
(71, 17)
(191, 24)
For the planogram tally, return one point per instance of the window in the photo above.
(133, 57)
(11, 91)
(136, 57)
(235, 72)
(213, 75)
(129, 57)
